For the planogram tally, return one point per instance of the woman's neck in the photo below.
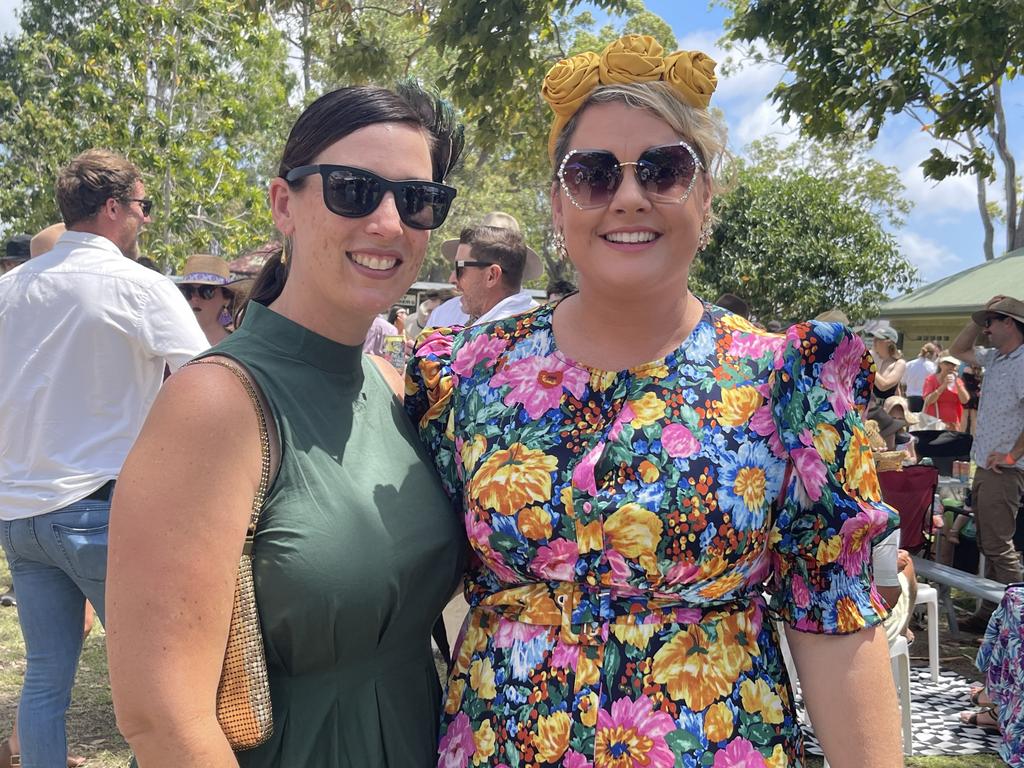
(307, 306)
(212, 329)
(611, 332)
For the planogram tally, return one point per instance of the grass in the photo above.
(92, 732)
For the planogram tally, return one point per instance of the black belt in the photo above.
(103, 493)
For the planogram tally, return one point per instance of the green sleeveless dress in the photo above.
(356, 553)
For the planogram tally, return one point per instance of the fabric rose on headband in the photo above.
(570, 81)
(632, 59)
(692, 74)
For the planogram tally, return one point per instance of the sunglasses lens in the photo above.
(591, 178)
(666, 172)
(422, 205)
(351, 194)
(147, 206)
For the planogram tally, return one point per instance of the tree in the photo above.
(852, 63)
(800, 237)
(193, 91)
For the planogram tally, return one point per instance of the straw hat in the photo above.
(892, 401)
(501, 220)
(203, 269)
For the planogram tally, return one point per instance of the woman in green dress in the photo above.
(357, 548)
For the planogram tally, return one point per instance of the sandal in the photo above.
(979, 698)
(13, 759)
(974, 718)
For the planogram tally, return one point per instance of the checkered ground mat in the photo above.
(935, 713)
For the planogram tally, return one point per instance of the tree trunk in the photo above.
(1014, 228)
(307, 51)
(986, 217)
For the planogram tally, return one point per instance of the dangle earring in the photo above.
(284, 253)
(705, 234)
(224, 318)
(559, 242)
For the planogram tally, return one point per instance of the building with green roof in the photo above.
(938, 311)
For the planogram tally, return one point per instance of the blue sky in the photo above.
(943, 234)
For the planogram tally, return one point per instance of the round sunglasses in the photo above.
(356, 192)
(666, 173)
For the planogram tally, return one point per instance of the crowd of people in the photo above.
(640, 491)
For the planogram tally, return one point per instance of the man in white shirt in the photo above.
(491, 262)
(85, 334)
(917, 370)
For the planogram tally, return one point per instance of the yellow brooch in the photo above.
(630, 59)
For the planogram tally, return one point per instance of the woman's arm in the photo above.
(961, 391)
(178, 521)
(931, 395)
(892, 377)
(850, 696)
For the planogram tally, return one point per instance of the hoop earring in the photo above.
(559, 242)
(706, 229)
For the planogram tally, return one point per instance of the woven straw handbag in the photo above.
(243, 694)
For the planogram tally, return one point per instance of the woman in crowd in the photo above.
(971, 377)
(206, 284)
(633, 463)
(945, 394)
(357, 549)
(889, 366)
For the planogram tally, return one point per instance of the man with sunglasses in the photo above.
(84, 336)
(491, 261)
(998, 449)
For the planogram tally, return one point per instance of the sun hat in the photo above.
(892, 401)
(501, 220)
(886, 332)
(949, 359)
(1007, 306)
(204, 269)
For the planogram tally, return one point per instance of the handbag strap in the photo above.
(261, 492)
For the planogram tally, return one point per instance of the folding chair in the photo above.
(911, 493)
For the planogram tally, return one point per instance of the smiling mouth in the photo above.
(376, 263)
(631, 237)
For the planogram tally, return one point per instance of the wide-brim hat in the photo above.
(892, 401)
(204, 269)
(533, 268)
(1008, 306)
(950, 359)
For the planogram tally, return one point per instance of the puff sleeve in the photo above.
(830, 512)
(429, 386)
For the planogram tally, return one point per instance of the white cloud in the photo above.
(931, 258)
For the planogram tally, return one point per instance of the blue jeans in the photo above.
(57, 560)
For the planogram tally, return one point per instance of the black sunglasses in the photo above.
(461, 265)
(591, 177)
(204, 291)
(990, 320)
(145, 204)
(354, 192)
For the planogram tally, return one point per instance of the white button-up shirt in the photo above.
(1001, 410)
(84, 336)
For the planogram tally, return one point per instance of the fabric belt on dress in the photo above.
(583, 612)
(103, 493)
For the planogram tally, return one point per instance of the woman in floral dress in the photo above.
(633, 465)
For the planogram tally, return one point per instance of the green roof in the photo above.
(965, 291)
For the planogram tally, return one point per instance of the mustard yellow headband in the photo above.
(630, 59)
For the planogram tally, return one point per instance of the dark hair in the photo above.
(17, 248)
(337, 114)
(148, 263)
(561, 287)
(498, 245)
(92, 178)
(734, 304)
(393, 313)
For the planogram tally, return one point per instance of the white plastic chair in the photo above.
(928, 596)
(899, 658)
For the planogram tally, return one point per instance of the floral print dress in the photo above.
(623, 528)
